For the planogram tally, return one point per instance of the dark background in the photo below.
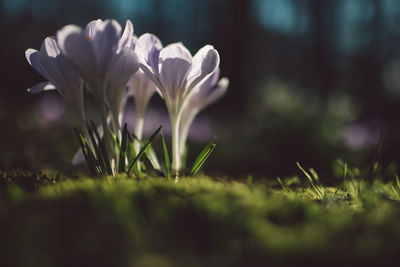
(311, 81)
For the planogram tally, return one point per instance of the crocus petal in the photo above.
(175, 61)
(149, 47)
(208, 84)
(104, 44)
(216, 93)
(205, 62)
(151, 76)
(64, 77)
(91, 28)
(125, 65)
(76, 47)
(40, 87)
(127, 36)
(33, 58)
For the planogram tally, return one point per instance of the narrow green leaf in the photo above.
(90, 161)
(310, 179)
(166, 157)
(132, 154)
(115, 139)
(147, 159)
(122, 154)
(202, 157)
(96, 148)
(103, 149)
(144, 147)
(152, 159)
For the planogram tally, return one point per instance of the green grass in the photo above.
(125, 221)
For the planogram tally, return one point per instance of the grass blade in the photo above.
(98, 154)
(122, 153)
(87, 153)
(202, 157)
(166, 157)
(132, 153)
(144, 147)
(311, 180)
(103, 149)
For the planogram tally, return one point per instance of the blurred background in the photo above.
(310, 81)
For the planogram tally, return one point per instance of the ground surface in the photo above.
(199, 221)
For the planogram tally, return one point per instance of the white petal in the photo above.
(125, 65)
(50, 47)
(148, 48)
(218, 92)
(151, 76)
(33, 58)
(127, 36)
(64, 77)
(40, 87)
(205, 62)
(175, 63)
(91, 28)
(105, 44)
(76, 47)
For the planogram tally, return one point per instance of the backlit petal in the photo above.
(149, 47)
(175, 61)
(91, 28)
(127, 36)
(205, 62)
(105, 44)
(33, 58)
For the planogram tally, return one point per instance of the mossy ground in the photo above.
(125, 221)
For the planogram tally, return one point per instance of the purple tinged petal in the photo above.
(91, 28)
(40, 87)
(105, 44)
(209, 83)
(127, 36)
(149, 47)
(205, 62)
(33, 58)
(76, 47)
(218, 92)
(175, 61)
(126, 64)
(152, 77)
(62, 74)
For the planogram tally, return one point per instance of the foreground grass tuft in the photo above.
(198, 222)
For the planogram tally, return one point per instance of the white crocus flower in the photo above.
(103, 58)
(175, 72)
(205, 93)
(54, 67)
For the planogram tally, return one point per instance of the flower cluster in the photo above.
(114, 65)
